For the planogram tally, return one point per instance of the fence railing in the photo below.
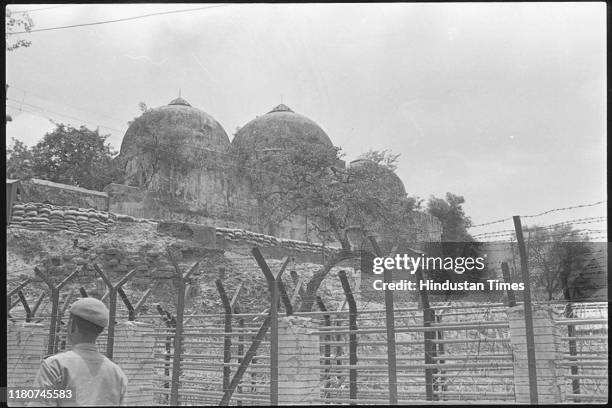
(435, 353)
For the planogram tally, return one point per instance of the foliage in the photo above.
(449, 211)
(68, 155)
(19, 160)
(143, 107)
(309, 179)
(456, 241)
(14, 24)
(557, 256)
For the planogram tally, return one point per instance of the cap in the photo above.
(92, 310)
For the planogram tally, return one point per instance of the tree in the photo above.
(456, 242)
(455, 222)
(309, 179)
(68, 155)
(557, 256)
(14, 23)
(19, 160)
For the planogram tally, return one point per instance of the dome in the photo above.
(277, 127)
(177, 126)
(388, 176)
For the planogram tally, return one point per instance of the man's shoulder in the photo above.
(50, 358)
(114, 365)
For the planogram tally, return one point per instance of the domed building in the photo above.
(276, 128)
(176, 131)
(173, 152)
(179, 164)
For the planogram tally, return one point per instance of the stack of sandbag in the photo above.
(70, 220)
(55, 218)
(83, 222)
(41, 221)
(18, 213)
(98, 221)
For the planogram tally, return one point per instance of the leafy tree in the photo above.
(309, 179)
(557, 256)
(455, 222)
(456, 241)
(14, 23)
(19, 160)
(68, 155)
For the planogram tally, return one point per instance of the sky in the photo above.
(504, 104)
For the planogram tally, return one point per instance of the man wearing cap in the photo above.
(89, 375)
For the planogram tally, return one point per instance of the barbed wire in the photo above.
(540, 214)
(587, 220)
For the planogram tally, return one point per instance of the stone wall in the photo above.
(43, 191)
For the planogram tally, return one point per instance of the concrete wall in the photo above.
(550, 378)
(43, 191)
(298, 354)
(26, 345)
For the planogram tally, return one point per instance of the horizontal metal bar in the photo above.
(500, 325)
(447, 367)
(597, 377)
(585, 338)
(576, 322)
(587, 396)
(385, 401)
(482, 340)
(594, 363)
(472, 356)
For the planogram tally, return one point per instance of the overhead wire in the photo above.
(39, 9)
(40, 109)
(36, 96)
(119, 19)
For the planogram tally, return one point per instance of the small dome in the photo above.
(277, 127)
(179, 101)
(388, 177)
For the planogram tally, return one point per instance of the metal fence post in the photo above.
(531, 357)
(112, 305)
(390, 320)
(274, 345)
(430, 351)
(178, 333)
(346, 287)
(227, 340)
(246, 361)
(55, 291)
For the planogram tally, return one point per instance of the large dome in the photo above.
(178, 127)
(277, 127)
(387, 177)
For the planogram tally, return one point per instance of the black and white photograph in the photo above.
(270, 204)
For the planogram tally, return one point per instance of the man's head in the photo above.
(88, 318)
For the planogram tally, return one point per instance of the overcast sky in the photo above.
(501, 103)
